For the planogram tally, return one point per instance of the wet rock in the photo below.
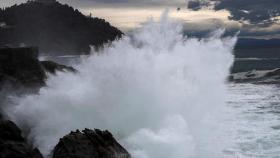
(53, 67)
(89, 144)
(21, 72)
(13, 145)
(20, 66)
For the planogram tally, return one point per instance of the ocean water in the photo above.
(252, 121)
(255, 63)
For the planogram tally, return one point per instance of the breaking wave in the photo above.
(157, 91)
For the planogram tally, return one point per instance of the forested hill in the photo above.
(53, 27)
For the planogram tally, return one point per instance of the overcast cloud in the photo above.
(258, 12)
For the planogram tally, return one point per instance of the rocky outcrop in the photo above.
(53, 67)
(22, 73)
(89, 144)
(56, 29)
(20, 66)
(13, 145)
(85, 144)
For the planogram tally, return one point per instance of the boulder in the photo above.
(89, 144)
(13, 145)
(22, 73)
(21, 66)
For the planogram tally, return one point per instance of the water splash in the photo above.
(157, 91)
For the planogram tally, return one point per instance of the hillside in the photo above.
(53, 27)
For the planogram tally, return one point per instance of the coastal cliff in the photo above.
(54, 28)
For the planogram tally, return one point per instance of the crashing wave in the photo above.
(157, 91)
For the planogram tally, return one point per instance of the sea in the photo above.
(162, 96)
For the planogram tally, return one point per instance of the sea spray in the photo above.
(156, 91)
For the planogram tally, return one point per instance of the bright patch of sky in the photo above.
(126, 18)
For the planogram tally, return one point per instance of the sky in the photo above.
(253, 18)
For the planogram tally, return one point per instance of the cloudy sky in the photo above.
(254, 18)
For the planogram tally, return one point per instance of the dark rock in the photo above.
(13, 145)
(54, 28)
(9, 131)
(21, 73)
(89, 144)
(21, 66)
(52, 67)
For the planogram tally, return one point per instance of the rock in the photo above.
(53, 67)
(20, 66)
(13, 145)
(89, 144)
(22, 73)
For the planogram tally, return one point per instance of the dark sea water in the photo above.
(254, 110)
(256, 59)
(246, 59)
(248, 64)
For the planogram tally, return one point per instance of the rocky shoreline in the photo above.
(257, 77)
(22, 72)
(21, 67)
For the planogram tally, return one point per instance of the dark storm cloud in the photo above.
(196, 5)
(254, 11)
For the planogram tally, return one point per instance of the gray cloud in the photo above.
(257, 12)
(197, 4)
(204, 28)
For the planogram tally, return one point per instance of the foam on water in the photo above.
(156, 91)
(251, 125)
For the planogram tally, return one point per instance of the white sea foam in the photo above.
(156, 91)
